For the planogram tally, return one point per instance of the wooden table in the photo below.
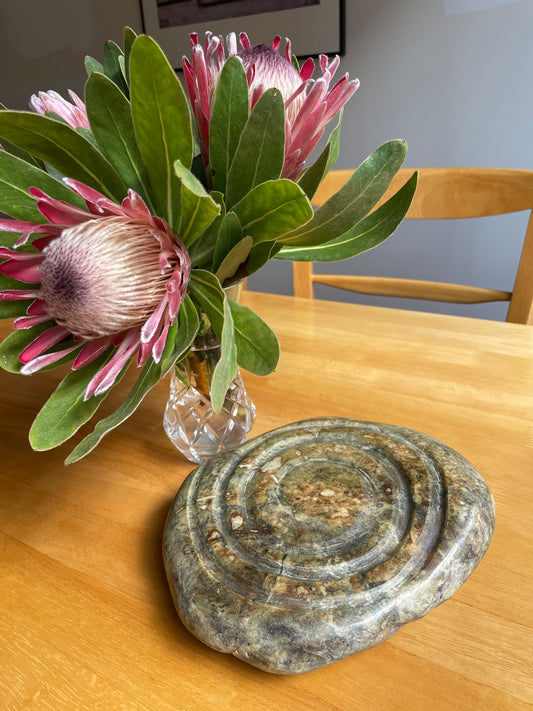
(87, 620)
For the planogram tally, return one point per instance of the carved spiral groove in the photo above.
(324, 516)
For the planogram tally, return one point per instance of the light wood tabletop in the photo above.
(86, 616)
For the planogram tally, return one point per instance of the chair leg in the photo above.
(302, 274)
(521, 306)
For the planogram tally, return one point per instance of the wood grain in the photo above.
(87, 621)
(411, 288)
(442, 194)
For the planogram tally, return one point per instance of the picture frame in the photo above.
(313, 29)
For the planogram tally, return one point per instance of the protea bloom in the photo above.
(75, 113)
(111, 278)
(309, 104)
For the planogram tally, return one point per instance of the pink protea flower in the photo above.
(309, 104)
(75, 113)
(113, 276)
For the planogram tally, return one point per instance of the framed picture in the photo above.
(314, 26)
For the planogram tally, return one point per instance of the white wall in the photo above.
(453, 77)
(456, 83)
(43, 42)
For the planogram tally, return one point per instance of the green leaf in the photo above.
(16, 177)
(12, 346)
(8, 239)
(205, 289)
(112, 68)
(368, 233)
(179, 340)
(65, 411)
(272, 209)
(129, 38)
(109, 114)
(12, 309)
(261, 150)
(93, 65)
(335, 143)
(248, 327)
(149, 377)
(229, 234)
(62, 147)
(16, 151)
(24, 155)
(198, 170)
(122, 65)
(226, 368)
(201, 251)
(228, 117)
(57, 174)
(198, 209)
(354, 200)
(313, 176)
(233, 259)
(87, 134)
(162, 123)
(260, 255)
(257, 344)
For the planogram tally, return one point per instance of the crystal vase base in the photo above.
(197, 430)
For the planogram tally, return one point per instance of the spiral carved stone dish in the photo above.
(320, 539)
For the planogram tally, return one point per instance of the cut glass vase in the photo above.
(190, 422)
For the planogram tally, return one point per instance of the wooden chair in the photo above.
(444, 193)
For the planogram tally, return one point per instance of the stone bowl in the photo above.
(320, 539)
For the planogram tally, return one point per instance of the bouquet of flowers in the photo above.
(130, 213)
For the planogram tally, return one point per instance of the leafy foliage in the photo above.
(162, 124)
(233, 214)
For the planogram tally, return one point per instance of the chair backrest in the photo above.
(443, 193)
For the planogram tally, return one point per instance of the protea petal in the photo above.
(24, 322)
(77, 101)
(266, 67)
(231, 42)
(97, 203)
(43, 342)
(27, 229)
(6, 253)
(134, 206)
(306, 128)
(42, 242)
(58, 212)
(244, 40)
(307, 69)
(159, 345)
(16, 295)
(91, 351)
(42, 361)
(37, 308)
(151, 326)
(29, 271)
(107, 375)
(75, 114)
(112, 275)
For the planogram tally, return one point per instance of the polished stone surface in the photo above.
(320, 539)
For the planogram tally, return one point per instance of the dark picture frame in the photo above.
(313, 29)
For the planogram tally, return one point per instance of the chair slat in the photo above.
(413, 289)
(443, 193)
